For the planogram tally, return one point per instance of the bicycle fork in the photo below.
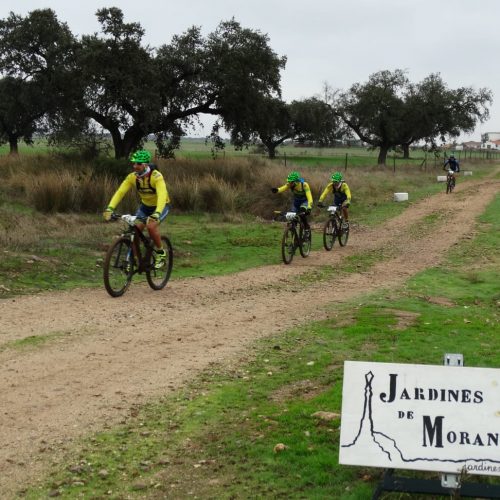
(131, 256)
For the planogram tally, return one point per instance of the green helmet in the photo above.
(293, 177)
(337, 177)
(141, 156)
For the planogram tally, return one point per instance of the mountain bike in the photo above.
(450, 181)
(132, 253)
(335, 228)
(294, 236)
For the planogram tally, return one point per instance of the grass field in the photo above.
(341, 157)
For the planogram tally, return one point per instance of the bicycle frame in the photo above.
(136, 236)
(294, 236)
(450, 181)
(334, 228)
(293, 219)
(335, 212)
(125, 257)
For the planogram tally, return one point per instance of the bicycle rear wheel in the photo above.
(343, 233)
(305, 242)
(450, 184)
(288, 245)
(329, 234)
(158, 278)
(118, 267)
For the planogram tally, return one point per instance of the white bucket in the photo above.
(441, 178)
(400, 196)
(467, 172)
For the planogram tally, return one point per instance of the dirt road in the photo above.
(103, 355)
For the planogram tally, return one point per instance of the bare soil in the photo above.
(104, 356)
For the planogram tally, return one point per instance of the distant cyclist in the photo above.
(341, 195)
(451, 165)
(155, 202)
(302, 197)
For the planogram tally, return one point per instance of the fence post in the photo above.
(345, 166)
(394, 162)
(284, 153)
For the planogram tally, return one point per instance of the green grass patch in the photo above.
(320, 273)
(363, 261)
(33, 341)
(207, 245)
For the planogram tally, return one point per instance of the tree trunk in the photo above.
(382, 155)
(13, 145)
(406, 151)
(125, 145)
(131, 140)
(271, 150)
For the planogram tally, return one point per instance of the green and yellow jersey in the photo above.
(151, 188)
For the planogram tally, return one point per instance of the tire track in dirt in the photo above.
(106, 355)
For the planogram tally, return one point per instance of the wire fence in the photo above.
(420, 159)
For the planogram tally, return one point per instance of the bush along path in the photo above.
(76, 362)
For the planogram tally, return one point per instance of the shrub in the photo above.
(216, 195)
(185, 195)
(222, 185)
(52, 192)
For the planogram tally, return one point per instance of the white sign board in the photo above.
(421, 417)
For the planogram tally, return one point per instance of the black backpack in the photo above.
(147, 188)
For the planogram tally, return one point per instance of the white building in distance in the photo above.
(490, 140)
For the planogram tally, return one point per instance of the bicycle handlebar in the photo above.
(128, 218)
(285, 216)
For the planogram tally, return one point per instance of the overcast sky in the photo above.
(339, 42)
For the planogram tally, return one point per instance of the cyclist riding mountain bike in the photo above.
(302, 197)
(341, 194)
(155, 202)
(452, 164)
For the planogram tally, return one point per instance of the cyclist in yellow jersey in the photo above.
(155, 202)
(302, 197)
(341, 194)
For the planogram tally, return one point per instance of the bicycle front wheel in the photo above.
(305, 242)
(329, 234)
(158, 278)
(288, 245)
(118, 267)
